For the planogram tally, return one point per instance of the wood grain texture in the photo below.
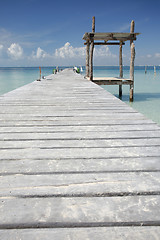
(76, 162)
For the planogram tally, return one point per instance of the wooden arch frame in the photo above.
(110, 38)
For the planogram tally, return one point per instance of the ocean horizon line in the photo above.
(71, 66)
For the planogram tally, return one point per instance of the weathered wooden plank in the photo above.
(28, 109)
(61, 112)
(59, 153)
(117, 115)
(113, 82)
(121, 233)
(80, 184)
(79, 212)
(78, 165)
(104, 117)
(79, 143)
(75, 135)
(87, 128)
(106, 43)
(70, 121)
(99, 143)
(110, 36)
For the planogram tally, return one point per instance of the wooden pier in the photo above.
(76, 163)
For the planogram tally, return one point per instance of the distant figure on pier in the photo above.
(54, 71)
(74, 69)
(78, 70)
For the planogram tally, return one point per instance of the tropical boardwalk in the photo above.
(76, 163)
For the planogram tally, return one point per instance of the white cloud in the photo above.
(40, 53)
(149, 55)
(15, 51)
(67, 51)
(103, 51)
(157, 55)
(1, 49)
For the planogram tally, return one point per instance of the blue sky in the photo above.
(46, 33)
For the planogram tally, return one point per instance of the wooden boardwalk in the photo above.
(76, 163)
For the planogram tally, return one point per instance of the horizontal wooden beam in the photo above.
(112, 39)
(106, 43)
(110, 36)
(112, 82)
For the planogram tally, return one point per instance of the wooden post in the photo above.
(91, 51)
(93, 24)
(87, 58)
(40, 73)
(120, 61)
(132, 70)
(132, 30)
(145, 69)
(91, 61)
(132, 62)
(120, 68)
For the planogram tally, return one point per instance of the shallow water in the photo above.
(146, 91)
(12, 78)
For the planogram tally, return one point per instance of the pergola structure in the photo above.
(110, 38)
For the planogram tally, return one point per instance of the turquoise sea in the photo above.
(146, 91)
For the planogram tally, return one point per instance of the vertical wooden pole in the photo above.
(87, 59)
(132, 30)
(120, 68)
(120, 61)
(40, 73)
(91, 51)
(145, 69)
(93, 24)
(91, 61)
(132, 62)
(132, 70)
